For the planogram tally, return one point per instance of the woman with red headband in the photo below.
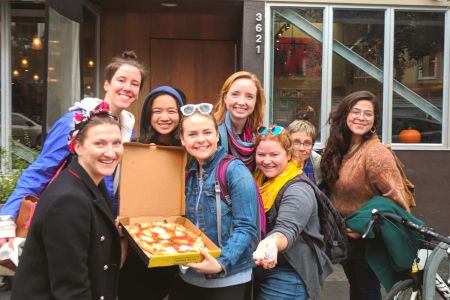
(73, 247)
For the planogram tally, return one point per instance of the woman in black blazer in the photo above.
(73, 246)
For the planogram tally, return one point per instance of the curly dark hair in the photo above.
(339, 140)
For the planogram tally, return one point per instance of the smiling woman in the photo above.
(355, 168)
(240, 111)
(229, 276)
(291, 209)
(161, 115)
(76, 201)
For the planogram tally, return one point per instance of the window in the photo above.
(297, 66)
(27, 65)
(90, 59)
(418, 66)
(321, 54)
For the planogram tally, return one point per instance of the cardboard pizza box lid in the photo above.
(152, 180)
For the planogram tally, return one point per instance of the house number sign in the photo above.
(259, 32)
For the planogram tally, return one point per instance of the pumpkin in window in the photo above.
(410, 136)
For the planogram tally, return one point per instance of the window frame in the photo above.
(327, 52)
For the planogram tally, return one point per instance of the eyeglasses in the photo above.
(305, 144)
(356, 113)
(189, 109)
(273, 130)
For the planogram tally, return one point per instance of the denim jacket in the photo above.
(238, 220)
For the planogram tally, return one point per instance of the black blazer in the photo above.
(72, 249)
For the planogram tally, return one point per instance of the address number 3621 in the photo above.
(259, 34)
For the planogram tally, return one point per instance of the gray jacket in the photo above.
(297, 213)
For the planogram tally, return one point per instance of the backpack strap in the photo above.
(221, 191)
(221, 178)
(308, 240)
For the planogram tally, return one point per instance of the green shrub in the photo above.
(8, 181)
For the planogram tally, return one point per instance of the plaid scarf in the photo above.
(308, 169)
(241, 146)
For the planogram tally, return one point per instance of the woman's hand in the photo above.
(123, 243)
(266, 253)
(352, 234)
(6, 240)
(124, 252)
(209, 265)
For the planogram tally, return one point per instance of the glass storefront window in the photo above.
(412, 89)
(418, 69)
(297, 65)
(90, 59)
(358, 56)
(27, 66)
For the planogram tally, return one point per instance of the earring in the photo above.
(373, 130)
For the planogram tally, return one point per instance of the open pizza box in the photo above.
(152, 180)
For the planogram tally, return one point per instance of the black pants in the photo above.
(364, 284)
(186, 291)
(139, 282)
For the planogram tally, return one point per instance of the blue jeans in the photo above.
(279, 283)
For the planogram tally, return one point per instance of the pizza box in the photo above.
(152, 181)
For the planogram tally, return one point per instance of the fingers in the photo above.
(11, 244)
(3, 241)
(208, 266)
(352, 234)
(266, 254)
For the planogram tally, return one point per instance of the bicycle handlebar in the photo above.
(396, 218)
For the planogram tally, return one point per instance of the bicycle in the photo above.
(427, 269)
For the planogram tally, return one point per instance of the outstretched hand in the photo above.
(266, 253)
(209, 265)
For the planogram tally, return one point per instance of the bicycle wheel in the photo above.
(436, 274)
(403, 290)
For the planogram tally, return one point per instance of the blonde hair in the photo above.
(256, 118)
(303, 126)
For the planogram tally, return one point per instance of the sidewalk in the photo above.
(336, 286)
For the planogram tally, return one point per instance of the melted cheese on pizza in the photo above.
(159, 238)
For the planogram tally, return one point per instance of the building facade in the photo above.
(309, 54)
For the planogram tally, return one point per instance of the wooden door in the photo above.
(197, 67)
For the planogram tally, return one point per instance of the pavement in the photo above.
(335, 287)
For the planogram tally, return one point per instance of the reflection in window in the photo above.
(357, 53)
(90, 60)
(418, 65)
(297, 67)
(27, 65)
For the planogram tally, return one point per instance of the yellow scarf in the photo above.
(269, 190)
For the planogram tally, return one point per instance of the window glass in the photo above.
(63, 82)
(90, 60)
(27, 67)
(418, 73)
(358, 53)
(297, 65)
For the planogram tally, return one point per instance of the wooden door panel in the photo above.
(197, 67)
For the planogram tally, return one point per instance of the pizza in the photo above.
(162, 238)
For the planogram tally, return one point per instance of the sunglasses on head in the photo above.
(189, 109)
(275, 130)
